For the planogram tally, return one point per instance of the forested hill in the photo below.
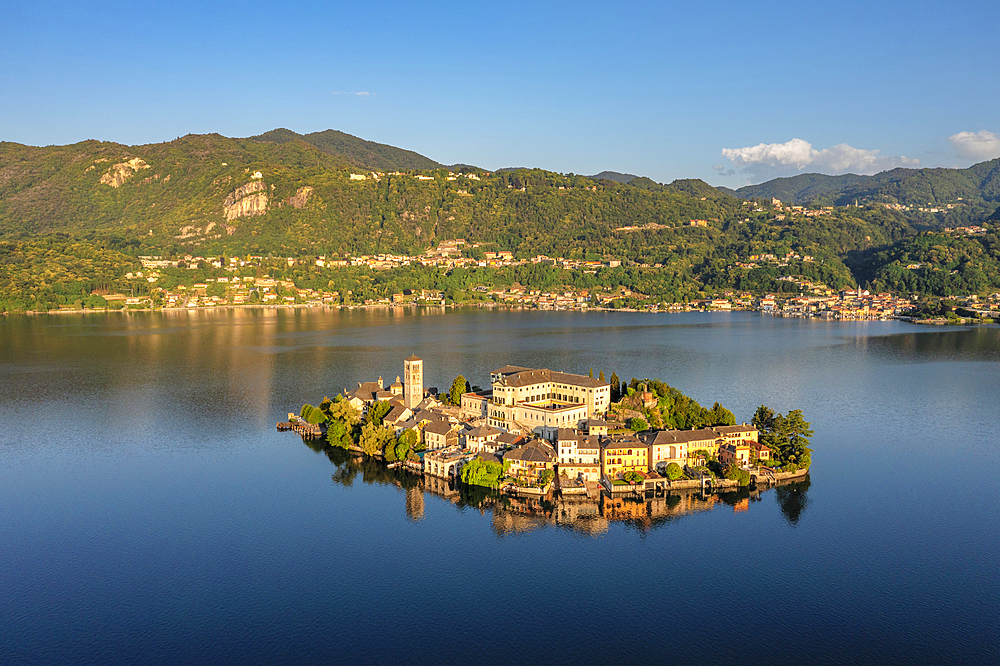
(367, 154)
(285, 194)
(977, 187)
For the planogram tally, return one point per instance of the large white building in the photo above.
(539, 400)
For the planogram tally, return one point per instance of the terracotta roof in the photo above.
(438, 427)
(529, 377)
(483, 431)
(509, 438)
(395, 414)
(532, 452)
(413, 357)
(509, 369)
(681, 436)
(733, 429)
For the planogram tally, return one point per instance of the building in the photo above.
(667, 446)
(446, 463)
(738, 454)
(475, 405)
(542, 401)
(623, 454)
(413, 385)
(483, 438)
(440, 435)
(579, 456)
(530, 459)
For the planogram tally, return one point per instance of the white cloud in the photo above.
(773, 160)
(359, 94)
(979, 146)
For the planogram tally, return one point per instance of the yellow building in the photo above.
(623, 454)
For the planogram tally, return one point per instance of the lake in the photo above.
(150, 513)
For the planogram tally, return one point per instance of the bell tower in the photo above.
(413, 381)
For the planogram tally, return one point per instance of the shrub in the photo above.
(637, 423)
(632, 476)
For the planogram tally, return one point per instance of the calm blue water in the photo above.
(150, 513)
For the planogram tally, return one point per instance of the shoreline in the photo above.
(486, 306)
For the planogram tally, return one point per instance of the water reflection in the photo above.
(934, 344)
(793, 500)
(589, 516)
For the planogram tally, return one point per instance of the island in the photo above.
(537, 432)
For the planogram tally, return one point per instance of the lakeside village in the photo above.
(540, 435)
(237, 288)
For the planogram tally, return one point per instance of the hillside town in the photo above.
(230, 286)
(535, 431)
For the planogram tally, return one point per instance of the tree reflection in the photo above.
(793, 499)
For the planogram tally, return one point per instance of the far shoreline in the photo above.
(481, 306)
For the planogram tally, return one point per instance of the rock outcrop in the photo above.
(120, 172)
(246, 201)
(301, 197)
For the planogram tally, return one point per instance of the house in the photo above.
(738, 454)
(364, 396)
(397, 414)
(737, 434)
(579, 456)
(475, 405)
(530, 459)
(440, 435)
(509, 440)
(665, 447)
(623, 454)
(483, 438)
(760, 451)
(596, 427)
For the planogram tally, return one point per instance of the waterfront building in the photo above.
(737, 434)
(530, 459)
(446, 463)
(621, 454)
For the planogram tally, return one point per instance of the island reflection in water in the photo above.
(584, 515)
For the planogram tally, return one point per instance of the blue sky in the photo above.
(730, 92)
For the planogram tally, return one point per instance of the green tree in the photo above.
(401, 448)
(632, 476)
(479, 472)
(338, 435)
(457, 388)
(722, 416)
(787, 436)
(763, 419)
(312, 415)
(637, 423)
(341, 410)
(601, 377)
(374, 437)
(378, 411)
(616, 392)
(674, 471)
